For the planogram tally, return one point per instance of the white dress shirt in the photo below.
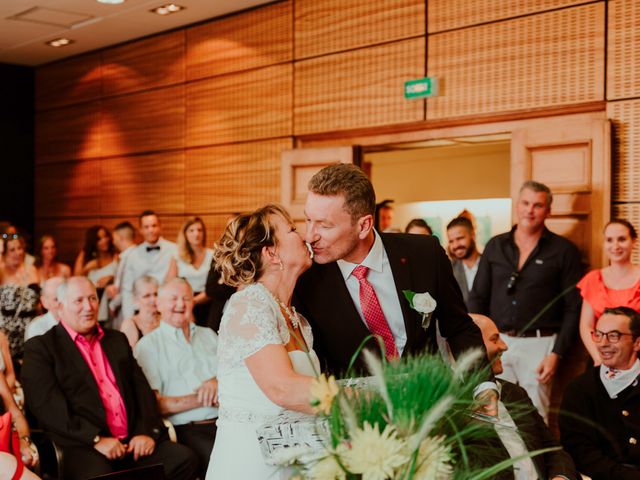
(381, 278)
(154, 263)
(175, 367)
(508, 433)
(40, 325)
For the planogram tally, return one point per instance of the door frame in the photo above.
(403, 134)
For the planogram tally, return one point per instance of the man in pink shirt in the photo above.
(89, 395)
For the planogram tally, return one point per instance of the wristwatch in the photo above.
(96, 439)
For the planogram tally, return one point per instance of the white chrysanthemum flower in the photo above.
(434, 460)
(326, 468)
(323, 391)
(373, 454)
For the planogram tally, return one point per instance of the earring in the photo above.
(281, 264)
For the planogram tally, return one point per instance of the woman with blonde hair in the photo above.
(266, 361)
(617, 284)
(146, 318)
(192, 263)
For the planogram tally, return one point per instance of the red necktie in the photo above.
(372, 312)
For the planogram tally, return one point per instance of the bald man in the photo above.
(89, 395)
(525, 431)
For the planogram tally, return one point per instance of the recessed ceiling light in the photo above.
(167, 9)
(59, 42)
(110, 2)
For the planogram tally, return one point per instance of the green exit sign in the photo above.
(421, 88)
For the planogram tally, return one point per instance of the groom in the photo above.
(355, 287)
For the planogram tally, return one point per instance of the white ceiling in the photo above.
(92, 25)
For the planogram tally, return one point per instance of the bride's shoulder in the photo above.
(253, 295)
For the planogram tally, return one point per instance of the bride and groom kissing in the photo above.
(302, 304)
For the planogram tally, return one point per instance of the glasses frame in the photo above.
(617, 335)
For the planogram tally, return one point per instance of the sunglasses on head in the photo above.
(511, 284)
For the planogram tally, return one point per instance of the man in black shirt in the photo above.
(520, 274)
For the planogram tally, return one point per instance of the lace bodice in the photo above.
(252, 320)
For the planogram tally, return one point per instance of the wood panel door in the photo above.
(572, 157)
(299, 165)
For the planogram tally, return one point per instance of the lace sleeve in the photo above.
(251, 321)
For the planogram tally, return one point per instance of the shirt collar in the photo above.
(157, 244)
(546, 233)
(76, 337)
(615, 381)
(177, 332)
(373, 260)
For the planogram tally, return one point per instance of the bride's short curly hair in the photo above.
(238, 253)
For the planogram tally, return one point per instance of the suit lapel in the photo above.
(401, 271)
(81, 367)
(112, 357)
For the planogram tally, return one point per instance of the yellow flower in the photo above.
(373, 454)
(323, 392)
(326, 468)
(434, 460)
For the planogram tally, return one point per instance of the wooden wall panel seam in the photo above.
(486, 12)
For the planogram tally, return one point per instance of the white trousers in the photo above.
(520, 363)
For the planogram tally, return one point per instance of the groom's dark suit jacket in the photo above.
(62, 394)
(419, 264)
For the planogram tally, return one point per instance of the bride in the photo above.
(265, 357)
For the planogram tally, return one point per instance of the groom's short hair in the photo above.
(348, 180)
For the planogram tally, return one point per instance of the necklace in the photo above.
(293, 316)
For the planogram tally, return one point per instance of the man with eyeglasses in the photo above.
(600, 414)
(526, 285)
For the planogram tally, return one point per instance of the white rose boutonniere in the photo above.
(422, 303)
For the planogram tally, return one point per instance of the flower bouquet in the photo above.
(412, 420)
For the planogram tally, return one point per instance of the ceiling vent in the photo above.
(52, 17)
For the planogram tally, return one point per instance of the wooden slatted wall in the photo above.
(193, 121)
(623, 107)
(179, 123)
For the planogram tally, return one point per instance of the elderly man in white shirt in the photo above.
(42, 324)
(152, 257)
(179, 360)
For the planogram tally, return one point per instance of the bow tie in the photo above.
(155, 247)
(612, 372)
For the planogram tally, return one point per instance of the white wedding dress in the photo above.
(251, 321)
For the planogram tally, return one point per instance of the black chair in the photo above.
(51, 459)
(152, 472)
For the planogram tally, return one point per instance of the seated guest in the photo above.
(12, 466)
(88, 394)
(19, 293)
(6, 363)
(47, 264)
(179, 360)
(192, 263)
(48, 299)
(598, 423)
(530, 432)
(145, 294)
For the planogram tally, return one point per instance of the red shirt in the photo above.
(599, 296)
(102, 372)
